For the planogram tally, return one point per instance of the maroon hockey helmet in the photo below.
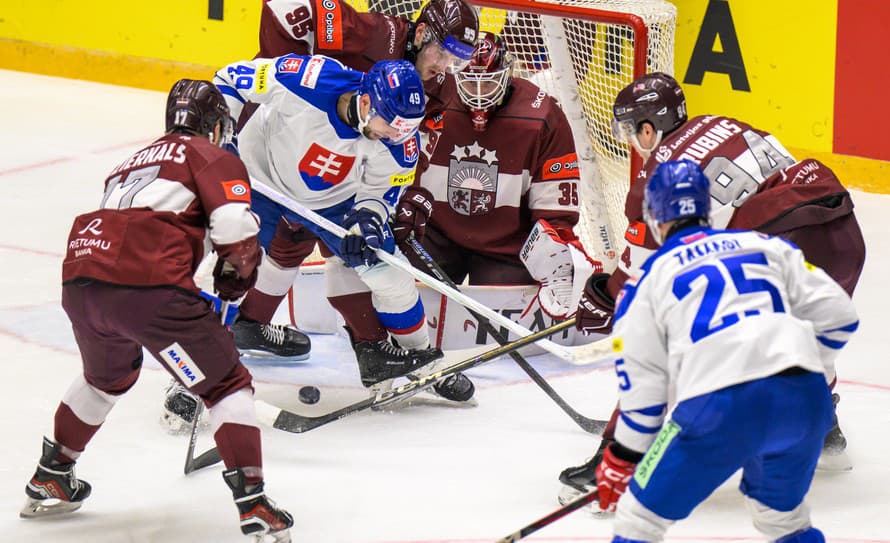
(656, 98)
(197, 107)
(454, 24)
(483, 84)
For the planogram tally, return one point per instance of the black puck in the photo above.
(309, 394)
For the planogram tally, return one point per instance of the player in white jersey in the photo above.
(344, 144)
(739, 333)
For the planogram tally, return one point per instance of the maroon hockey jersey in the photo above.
(490, 187)
(161, 206)
(755, 184)
(335, 29)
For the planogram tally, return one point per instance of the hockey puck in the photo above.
(309, 394)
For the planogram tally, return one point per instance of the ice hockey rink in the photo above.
(427, 473)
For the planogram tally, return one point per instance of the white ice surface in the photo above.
(426, 474)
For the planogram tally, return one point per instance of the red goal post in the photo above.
(582, 52)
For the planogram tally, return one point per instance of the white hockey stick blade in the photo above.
(403, 265)
(600, 353)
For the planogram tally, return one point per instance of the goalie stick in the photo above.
(570, 507)
(281, 419)
(589, 425)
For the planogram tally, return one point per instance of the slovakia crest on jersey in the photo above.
(472, 180)
(322, 168)
(410, 148)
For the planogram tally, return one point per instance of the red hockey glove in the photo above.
(612, 477)
(596, 308)
(228, 284)
(413, 212)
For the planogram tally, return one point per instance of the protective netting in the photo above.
(567, 48)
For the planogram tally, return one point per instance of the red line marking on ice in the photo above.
(864, 385)
(31, 251)
(679, 539)
(24, 339)
(73, 158)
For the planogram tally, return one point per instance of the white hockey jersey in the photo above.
(714, 308)
(296, 143)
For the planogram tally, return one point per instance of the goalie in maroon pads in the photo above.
(127, 284)
(756, 184)
(502, 175)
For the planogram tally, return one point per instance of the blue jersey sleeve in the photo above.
(316, 79)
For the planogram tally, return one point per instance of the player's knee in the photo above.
(635, 522)
(291, 245)
(236, 379)
(777, 524)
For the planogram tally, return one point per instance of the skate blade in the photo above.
(35, 508)
(281, 536)
(266, 358)
(834, 462)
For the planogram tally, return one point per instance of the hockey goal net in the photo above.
(582, 52)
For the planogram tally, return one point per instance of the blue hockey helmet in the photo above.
(678, 189)
(397, 96)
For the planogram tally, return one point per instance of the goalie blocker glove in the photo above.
(556, 259)
(415, 209)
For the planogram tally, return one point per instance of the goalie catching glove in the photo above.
(555, 258)
(413, 213)
(366, 231)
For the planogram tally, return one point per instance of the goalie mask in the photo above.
(197, 107)
(397, 98)
(483, 84)
(678, 189)
(452, 29)
(655, 98)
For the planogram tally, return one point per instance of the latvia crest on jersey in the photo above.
(472, 179)
(322, 168)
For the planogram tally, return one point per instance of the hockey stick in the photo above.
(574, 505)
(205, 459)
(589, 425)
(404, 266)
(281, 419)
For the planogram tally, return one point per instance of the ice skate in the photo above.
(834, 455)
(276, 341)
(580, 480)
(179, 409)
(260, 517)
(54, 489)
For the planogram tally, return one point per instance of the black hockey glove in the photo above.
(596, 308)
(366, 231)
(413, 212)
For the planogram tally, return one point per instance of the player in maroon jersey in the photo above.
(127, 284)
(442, 39)
(501, 173)
(755, 184)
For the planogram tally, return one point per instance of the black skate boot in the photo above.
(260, 517)
(180, 406)
(270, 340)
(380, 361)
(834, 455)
(54, 488)
(579, 480)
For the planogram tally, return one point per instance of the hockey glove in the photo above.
(228, 284)
(414, 211)
(595, 308)
(612, 477)
(366, 231)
